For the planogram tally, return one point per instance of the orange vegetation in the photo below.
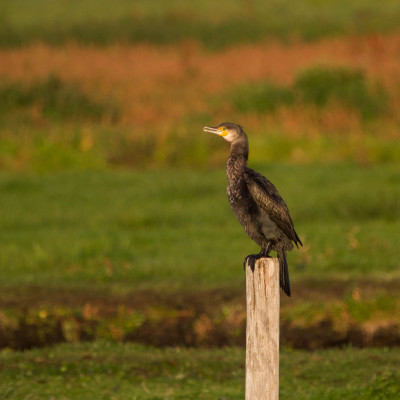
(158, 85)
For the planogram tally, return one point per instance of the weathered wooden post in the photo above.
(262, 330)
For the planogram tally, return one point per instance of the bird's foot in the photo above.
(252, 258)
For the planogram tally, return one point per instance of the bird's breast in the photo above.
(243, 205)
(256, 224)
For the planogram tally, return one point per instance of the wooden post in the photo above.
(262, 330)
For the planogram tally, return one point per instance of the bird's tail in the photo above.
(283, 273)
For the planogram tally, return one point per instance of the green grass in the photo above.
(323, 85)
(54, 100)
(215, 25)
(174, 228)
(33, 147)
(260, 97)
(319, 86)
(121, 371)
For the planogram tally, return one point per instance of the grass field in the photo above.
(103, 254)
(115, 371)
(67, 228)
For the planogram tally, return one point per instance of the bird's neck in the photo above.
(237, 161)
(240, 149)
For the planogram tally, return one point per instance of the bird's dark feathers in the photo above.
(257, 204)
(271, 203)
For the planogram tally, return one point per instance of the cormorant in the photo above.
(256, 203)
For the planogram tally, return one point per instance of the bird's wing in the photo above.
(271, 203)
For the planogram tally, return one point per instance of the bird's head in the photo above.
(229, 131)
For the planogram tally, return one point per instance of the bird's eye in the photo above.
(224, 128)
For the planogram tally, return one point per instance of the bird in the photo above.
(257, 204)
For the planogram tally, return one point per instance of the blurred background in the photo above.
(115, 227)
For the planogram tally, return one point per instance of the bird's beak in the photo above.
(217, 131)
